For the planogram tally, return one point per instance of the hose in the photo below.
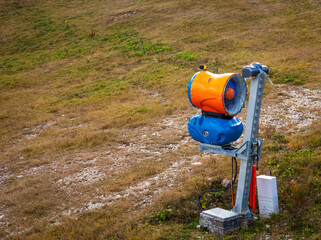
(221, 189)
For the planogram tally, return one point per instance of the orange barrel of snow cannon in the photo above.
(217, 93)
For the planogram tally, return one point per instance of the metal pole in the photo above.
(250, 137)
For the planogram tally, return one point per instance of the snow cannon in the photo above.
(220, 97)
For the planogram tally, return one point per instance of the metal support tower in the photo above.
(219, 220)
(250, 135)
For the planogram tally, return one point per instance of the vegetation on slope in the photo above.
(80, 76)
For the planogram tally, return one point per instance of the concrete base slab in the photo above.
(220, 221)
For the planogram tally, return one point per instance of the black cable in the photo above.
(217, 190)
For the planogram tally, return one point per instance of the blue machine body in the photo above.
(215, 131)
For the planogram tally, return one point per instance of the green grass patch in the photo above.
(135, 115)
(100, 89)
(287, 77)
(108, 88)
(132, 44)
(86, 140)
(13, 81)
(298, 173)
(161, 217)
(186, 56)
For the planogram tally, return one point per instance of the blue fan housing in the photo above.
(215, 131)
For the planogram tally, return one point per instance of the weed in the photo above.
(162, 216)
(186, 56)
(60, 54)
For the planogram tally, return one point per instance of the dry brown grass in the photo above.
(87, 92)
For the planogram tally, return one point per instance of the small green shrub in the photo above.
(161, 217)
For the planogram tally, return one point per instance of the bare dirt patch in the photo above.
(120, 16)
(295, 108)
(285, 110)
(82, 176)
(34, 132)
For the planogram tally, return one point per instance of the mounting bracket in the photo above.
(243, 152)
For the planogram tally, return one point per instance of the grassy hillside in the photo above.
(93, 102)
